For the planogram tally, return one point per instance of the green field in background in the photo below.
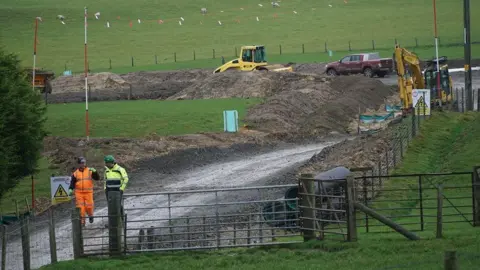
(143, 117)
(358, 22)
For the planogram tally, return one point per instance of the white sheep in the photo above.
(61, 17)
(97, 15)
(275, 4)
(204, 11)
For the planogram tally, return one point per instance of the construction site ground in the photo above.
(299, 108)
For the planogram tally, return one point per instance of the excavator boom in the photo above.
(412, 78)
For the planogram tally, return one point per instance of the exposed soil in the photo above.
(250, 84)
(163, 84)
(319, 108)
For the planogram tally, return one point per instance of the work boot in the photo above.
(90, 219)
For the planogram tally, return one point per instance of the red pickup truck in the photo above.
(370, 64)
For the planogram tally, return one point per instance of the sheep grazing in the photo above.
(204, 11)
(61, 17)
(275, 4)
(97, 15)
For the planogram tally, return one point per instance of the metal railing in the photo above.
(412, 199)
(205, 219)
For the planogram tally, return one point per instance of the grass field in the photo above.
(315, 23)
(143, 117)
(449, 135)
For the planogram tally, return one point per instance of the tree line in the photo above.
(22, 119)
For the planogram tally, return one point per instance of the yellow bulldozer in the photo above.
(253, 58)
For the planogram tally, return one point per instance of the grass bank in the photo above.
(447, 142)
(143, 117)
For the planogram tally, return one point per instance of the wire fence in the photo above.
(328, 47)
(35, 242)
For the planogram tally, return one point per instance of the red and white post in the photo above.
(34, 53)
(439, 93)
(86, 80)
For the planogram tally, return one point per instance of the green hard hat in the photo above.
(109, 159)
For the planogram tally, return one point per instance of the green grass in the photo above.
(23, 190)
(359, 22)
(143, 117)
(447, 143)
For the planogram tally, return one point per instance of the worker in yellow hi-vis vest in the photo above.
(116, 178)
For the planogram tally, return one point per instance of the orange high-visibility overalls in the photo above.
(84, 192)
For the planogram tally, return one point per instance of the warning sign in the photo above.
(421, 101)
(60, 193)
(59, 187)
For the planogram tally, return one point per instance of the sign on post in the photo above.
(59, 189)
(421, 101)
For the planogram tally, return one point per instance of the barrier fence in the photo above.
(327, 47)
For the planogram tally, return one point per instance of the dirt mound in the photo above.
(248, 84)
(314, 68)
(326, 107)
(135, 85)
(170, 82)
(97, 81)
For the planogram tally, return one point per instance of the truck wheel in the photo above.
(331, 72)
(368, 72)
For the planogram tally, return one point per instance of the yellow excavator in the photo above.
(253, 58)
(411, 78)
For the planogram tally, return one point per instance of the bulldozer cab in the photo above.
(254, 54)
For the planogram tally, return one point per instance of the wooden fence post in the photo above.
(53, 240)
(307, 202)
(450, 262)
(77, 238)
(25, 235)
(114, 222)
(439, 210)
(351, 218)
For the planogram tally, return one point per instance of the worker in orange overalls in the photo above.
(82, 183)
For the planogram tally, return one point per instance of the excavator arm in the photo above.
(408, 79)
